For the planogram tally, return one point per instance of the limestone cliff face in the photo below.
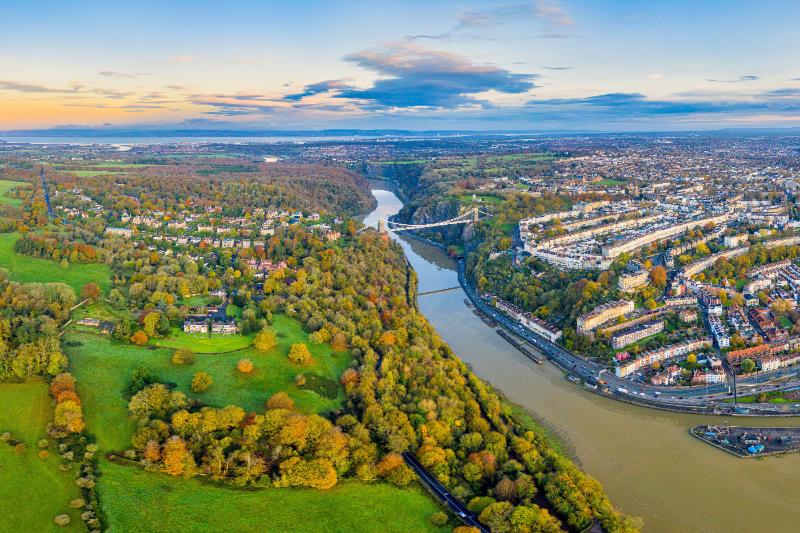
(436, 212)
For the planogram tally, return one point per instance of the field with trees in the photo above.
(104, 368)
(32, 489)
(5, 187)
(27, 269)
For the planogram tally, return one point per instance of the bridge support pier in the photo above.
(381, 226)
(474, 215)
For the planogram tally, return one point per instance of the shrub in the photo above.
(183, 357)
(141, 378)
(300, 380)
(139, 338)
(77, 503)
(299, 353)
(201, 382)
(245, 366)
(438, 518)
(62, 520)
(265, 340)
(280, 400)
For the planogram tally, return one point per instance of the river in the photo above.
(648, 463)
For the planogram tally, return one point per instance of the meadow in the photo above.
(32, 490)
(103, 369)
(202, 342)
(139, 501)
(5, 186)
(27, 269)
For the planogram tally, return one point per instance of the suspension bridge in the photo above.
(473, 215)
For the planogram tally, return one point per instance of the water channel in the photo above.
(648, 463)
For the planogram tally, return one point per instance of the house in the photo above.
(227, 327)
(195, 326)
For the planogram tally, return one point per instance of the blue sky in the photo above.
(531, 65)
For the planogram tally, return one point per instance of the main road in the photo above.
(710, 398)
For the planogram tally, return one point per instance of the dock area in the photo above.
(750, 441)
(520, 346)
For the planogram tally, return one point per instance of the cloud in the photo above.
(557, 68)
(122, 75)
(740, 79)
(317, 88)
(413, 76)
(655, 76)
(616, 106)
(795, 79)
(9, 85)
(182, 58)
(548, 12)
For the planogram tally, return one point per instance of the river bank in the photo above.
(646, 459)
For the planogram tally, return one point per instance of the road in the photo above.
(705, 399)
(441, 492)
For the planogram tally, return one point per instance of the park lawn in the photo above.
(138, 501)
(103, 368)
(27, 269)
(203, 343)
(5, 186)
(32, 490)
(786, 323)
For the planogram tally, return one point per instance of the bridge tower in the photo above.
(475, 215)
(381, 226)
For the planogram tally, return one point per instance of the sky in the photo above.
(538, 65)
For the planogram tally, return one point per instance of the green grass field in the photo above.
(32, 490)
(103, 369)
(139, 501)
(609, 182)
(5, 186)
(31, 269)
(202, 343)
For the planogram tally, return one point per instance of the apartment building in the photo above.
(636, 333)
(587, 322)
(634, 276)
(662, 354)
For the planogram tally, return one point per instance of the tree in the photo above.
(299, 353)
(280, 400)
(691, 359)
(659, 276)
(748, 365)
(139, 338)
(90, 291)
(177, 459)
(183, 357)
(438, 518)
(245, 366)
(265, 340)
(150, 323)
(201, 381)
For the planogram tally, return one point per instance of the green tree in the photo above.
(748, 365)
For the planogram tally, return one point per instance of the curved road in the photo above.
(441, 492)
